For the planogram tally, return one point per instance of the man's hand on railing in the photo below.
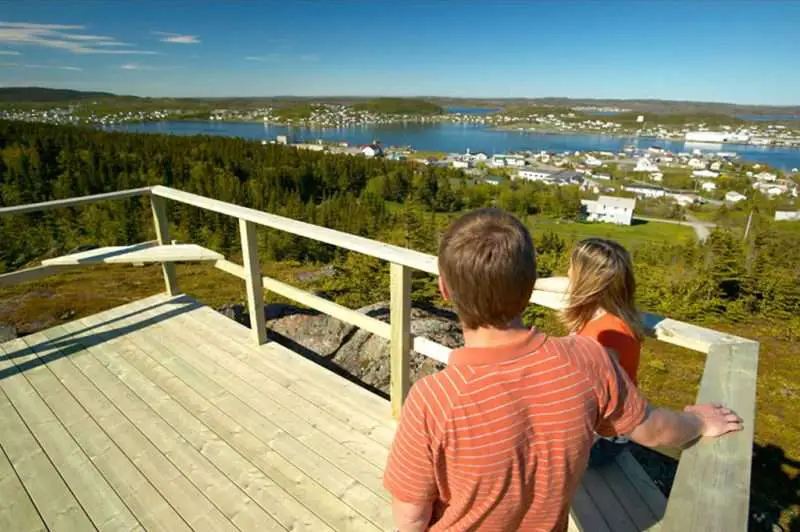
(716, 419)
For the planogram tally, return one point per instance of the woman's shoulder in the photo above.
(606, 323)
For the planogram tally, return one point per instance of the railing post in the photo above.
(400, 343)
(162, 234)
(252, 279)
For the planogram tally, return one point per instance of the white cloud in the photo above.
(264, 58)
(177, 38)
(139, 66)
(54, 67)
(64, 37)
(9, 52)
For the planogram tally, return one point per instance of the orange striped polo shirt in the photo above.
(500, 438)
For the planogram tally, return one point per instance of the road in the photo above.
(701, 229)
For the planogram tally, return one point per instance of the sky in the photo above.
(734, 51)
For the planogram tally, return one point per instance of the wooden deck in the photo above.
(163, 415)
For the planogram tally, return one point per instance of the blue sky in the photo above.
(745, 52)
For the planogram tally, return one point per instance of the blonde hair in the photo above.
(601, 277)
(488, 264)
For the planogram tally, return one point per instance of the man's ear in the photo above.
(443, 289)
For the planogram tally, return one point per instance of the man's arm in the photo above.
(668, 428)
(409, 517)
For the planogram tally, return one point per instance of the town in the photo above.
(686, 179)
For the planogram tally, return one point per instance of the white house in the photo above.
(697, 164)
(716, 166)
(593, 161)
(515, 160)
(766, 176)
(684, 200)
(372, 150)
(534, 175)
(460, 164)
(709, 186)
(705, 173)
(646, 191)
(644, 164)
(480, 156)
(787, 216)
(602, 177)
(734, 197)
(658, 177)
(610, 209)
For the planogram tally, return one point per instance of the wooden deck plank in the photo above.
(53, 499)
(147, 409)
(627, 494)
(643, 484)
(101, 503)
(371, 438)
(371, 415)
(232, 375)
(250, 388)
(147, 504)
(251, 434)
(585, 515)
(371, 404)
(17, 511)
(133, 355)
(607, 503)
(182, 495)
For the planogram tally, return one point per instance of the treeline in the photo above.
(403, 203)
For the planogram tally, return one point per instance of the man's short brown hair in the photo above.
(488, 264)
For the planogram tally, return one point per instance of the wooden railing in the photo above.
(711, 490)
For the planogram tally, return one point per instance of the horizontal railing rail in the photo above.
(712, 486)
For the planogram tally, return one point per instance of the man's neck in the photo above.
(490, 337)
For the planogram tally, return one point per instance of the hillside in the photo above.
(400, 106)
(43, 94)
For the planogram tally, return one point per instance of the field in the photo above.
(629, 236)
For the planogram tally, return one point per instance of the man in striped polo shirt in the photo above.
(499, 440)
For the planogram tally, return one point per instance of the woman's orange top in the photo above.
(613, 333)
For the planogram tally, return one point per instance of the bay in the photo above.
(457, 138)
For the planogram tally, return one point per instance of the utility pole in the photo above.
(747, 229)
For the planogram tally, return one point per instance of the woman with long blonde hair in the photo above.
(601, 292)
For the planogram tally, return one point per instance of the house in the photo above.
(493, 180)
(460, 164)
(534, 175)
(715, 166)
(766, 176)
(644, 164)
(657, 177)
(567, 177)
(515, 161)
(709, 186)
(697, 164)
(708, 174)
(593, 161)
(787, 216)
(602, 177)
(734, 197)
(684, 200)
(645, 191)
(609, 209)
(372, 150)
(480, 156)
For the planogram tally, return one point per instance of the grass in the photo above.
(629, 236)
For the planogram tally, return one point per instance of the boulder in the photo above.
(356, 352)
(7, 332)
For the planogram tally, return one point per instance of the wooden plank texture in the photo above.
(145, 502)
(72, 202)
(101, 503)
(721, 501)
(400, 343)
(138, 254)
(252, 280)
(29, 274)
(161, 225)
(17, 511)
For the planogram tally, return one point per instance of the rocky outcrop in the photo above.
(356, 352)
(7, 332)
